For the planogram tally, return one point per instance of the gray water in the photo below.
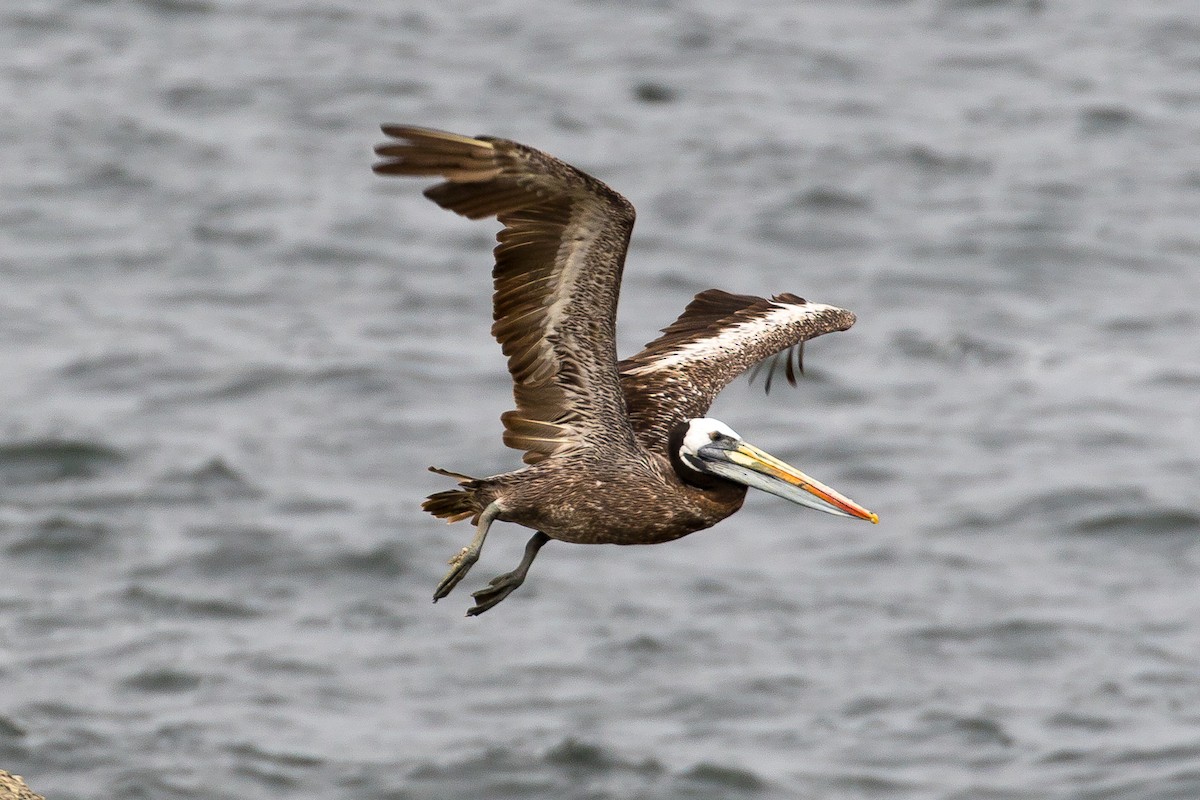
(229, 352)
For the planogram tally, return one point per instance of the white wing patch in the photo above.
(730, 340)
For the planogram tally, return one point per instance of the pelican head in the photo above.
(710, 447)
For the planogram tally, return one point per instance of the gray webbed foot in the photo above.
(502, 586)
(497, 589)
(460, 565)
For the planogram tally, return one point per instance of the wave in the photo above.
(53, 459)
(559, 771)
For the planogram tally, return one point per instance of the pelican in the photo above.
(618, 452)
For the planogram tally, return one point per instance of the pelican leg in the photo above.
(502, 586)
(462, 561)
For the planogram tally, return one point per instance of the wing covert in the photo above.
(717, 337)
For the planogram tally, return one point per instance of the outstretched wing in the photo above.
(717, 337)
(557, 277)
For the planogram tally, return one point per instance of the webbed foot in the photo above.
(462, 562)
(497, 589)
(502, 586)
(460, 565)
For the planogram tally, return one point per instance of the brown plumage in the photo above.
(615, 452)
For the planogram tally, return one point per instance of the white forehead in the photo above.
(700, 432)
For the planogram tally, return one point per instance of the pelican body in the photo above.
(617, 452)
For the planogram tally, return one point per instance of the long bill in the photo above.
(743, 462)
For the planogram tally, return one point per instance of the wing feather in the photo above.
(557, 276)
(717, 337)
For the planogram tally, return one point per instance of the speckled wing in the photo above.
(717, 337)
(557, 277)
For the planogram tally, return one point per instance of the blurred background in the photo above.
(228, 352)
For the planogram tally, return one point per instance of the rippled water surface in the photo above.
(229, 351)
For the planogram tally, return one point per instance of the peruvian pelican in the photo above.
(616, 452)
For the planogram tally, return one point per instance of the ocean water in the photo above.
(228, 352)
